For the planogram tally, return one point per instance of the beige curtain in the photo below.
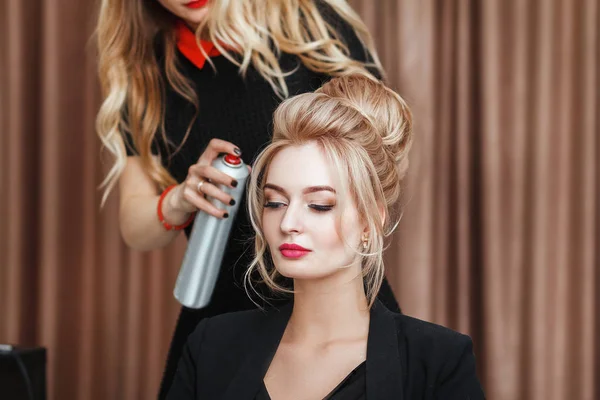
(67, 281)
(500, 233)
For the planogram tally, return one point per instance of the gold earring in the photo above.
(365, 241)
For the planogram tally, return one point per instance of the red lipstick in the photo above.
(291, 250)
(196, 4)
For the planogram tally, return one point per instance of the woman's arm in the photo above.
(138, 218)
(346, 32)
(138, 221)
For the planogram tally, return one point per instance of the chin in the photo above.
(196, 16)
(299, 270)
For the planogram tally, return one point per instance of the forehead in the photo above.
(297, 167)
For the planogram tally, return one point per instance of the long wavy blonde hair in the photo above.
(365, 130)
(129, 31)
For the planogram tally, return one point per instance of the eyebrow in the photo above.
(310, 189)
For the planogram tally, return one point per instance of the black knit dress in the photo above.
(238, 110)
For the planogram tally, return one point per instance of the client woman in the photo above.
(323, 196)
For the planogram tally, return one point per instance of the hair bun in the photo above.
(383, 109)
(356, 110)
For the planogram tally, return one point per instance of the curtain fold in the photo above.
(499, 238)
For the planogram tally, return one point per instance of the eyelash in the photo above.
(319, 208)
(272, 204)
(316, 207)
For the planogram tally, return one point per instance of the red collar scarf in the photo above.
(187, 45)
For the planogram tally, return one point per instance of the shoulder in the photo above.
(343, 28)
(213, 352)
(329, 14)
(227, 338)
(437, 358)
(432, 345)
(226, 328)
(429, 337)
(243, 319)
(347, 35)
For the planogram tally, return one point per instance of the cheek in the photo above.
(168, 4)
(351, 231)
(328, 235)
(270, 226)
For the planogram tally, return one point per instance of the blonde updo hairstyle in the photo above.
(365, 130)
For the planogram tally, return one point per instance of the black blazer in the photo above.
(228, 356)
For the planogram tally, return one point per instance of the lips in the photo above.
(196, 4)
(291, 250)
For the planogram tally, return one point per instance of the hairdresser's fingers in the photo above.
(216, 147)
(197, 199)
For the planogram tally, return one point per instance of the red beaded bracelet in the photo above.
(161, 217)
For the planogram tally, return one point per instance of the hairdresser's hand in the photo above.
(202, 179)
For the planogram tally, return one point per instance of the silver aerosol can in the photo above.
(206, 246)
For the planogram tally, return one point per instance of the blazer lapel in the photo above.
(384, 370)
(254, 366)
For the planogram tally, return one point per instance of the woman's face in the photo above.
(191, 11)
(300, 214)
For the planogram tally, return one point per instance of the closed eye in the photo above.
(320, 208)
(274, 204)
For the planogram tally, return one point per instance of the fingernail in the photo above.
(237, 151)
(234, 183)
(232, 202)
(225, 215)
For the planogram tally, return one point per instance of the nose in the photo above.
(292, 220)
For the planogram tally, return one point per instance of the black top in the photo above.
(227, 357)
(352, 387)
(238, 110)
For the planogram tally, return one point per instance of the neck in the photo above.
(325, 311)
(191, 25)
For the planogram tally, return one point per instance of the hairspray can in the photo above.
(206, 246)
